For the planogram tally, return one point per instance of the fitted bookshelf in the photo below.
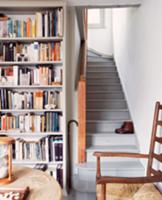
(32, 83)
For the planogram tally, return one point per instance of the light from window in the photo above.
(96, 18)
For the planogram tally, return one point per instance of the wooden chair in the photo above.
(152, 175)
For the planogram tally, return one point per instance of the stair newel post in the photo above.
(82, 92)
(82, 121)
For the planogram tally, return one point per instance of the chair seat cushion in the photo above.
(147, 192)
(129, 192)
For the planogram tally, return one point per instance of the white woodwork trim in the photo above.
(104, 3)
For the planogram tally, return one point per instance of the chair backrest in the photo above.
(154, 138)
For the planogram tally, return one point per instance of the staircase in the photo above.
(106, 111)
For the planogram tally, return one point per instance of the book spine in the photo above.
(39, 24)
(46, 24)
(15, 74)
(28, 26)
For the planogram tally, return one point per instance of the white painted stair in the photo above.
(106, 111)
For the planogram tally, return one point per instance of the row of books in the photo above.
(30, 100)
(40, 75)
(45, 149)
(43, 24)
(57, 173)
(30, 150)
(47, 122)
(32, 52)
(55, 148)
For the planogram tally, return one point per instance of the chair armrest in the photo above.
(115, 154)
(120, 154)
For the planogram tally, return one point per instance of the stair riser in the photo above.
(103, 81)
(110, 115)
(102, 127)
(102, 96)
(85, 174)
(111, 140)
(104, 88)
(101, 69)
(84, 195)
(103, 64)
(102, 75)
(85, 187)
(106, 105)
(83, 184)
(91, 158)
(99, 60)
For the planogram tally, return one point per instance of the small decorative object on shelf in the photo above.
(6, 159)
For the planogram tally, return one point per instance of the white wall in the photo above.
(73, 48)
(100, 39)
(138, 54)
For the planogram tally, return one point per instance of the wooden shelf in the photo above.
(31, 39)
(33, 162)
(31, 86)
(33, 134)
(30, 63)
(30, 110)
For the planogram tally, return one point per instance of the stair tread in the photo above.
(110, 65)
(107, 110)
(105, 78)
(105, 92)
(110, 134)
(108, 121)
(100, 60)
(120, 165)
(103, 69)
(107, 100)
(103, 84)
(108, 72)
(121, 148)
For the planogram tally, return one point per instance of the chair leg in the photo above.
(101, 192)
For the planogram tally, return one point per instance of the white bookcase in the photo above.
(23, 9)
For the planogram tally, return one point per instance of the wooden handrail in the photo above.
(120, 154)
(83, 61)
(82, 95)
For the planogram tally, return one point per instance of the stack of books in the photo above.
(31, 123)
(57, 173)
(30, 100)
(43, 24)
(33, 52)
(39, 150)
(31, 150)
(56, 148)
(40, 75)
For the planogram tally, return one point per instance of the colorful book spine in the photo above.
(44, 24)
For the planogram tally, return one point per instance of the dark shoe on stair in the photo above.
(127, 127)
